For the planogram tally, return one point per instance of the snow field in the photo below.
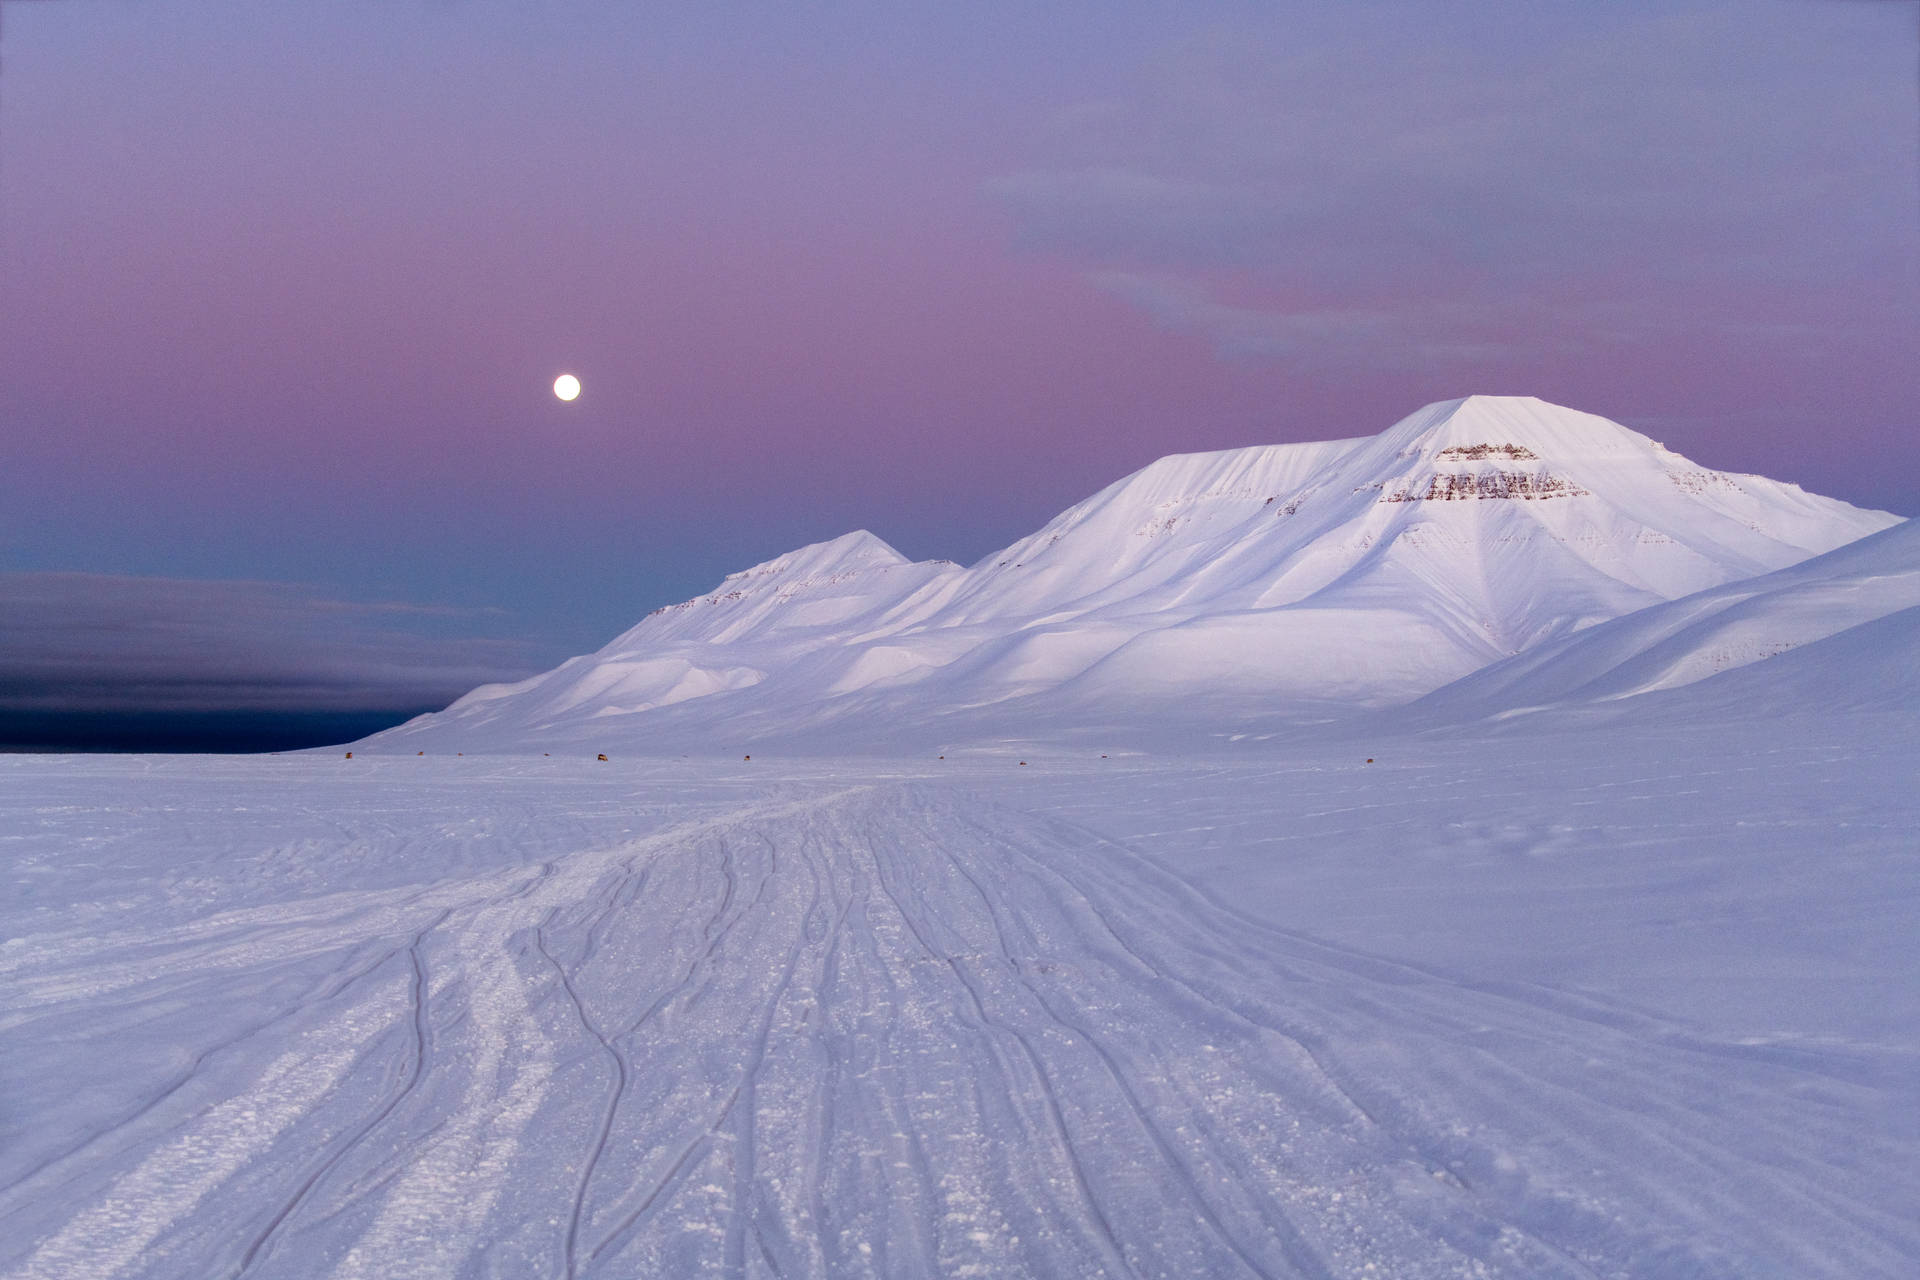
(1280, 1015)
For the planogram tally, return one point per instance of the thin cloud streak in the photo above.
(1381, 338)
(1646, 169)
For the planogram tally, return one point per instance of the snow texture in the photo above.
(1570, 1002)
(1850, 619)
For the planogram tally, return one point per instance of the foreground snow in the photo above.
(1606, 1003)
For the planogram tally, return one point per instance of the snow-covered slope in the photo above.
(1278, 582)
(807, 600)
(1840, 629)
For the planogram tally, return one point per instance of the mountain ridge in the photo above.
(1236, 586)
(1735, 637)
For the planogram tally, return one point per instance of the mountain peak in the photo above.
(821, 585)
(846, 553)
(1514, 428)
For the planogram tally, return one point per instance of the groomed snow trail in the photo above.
(897, 1028)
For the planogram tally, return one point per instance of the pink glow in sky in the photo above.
(283, 289)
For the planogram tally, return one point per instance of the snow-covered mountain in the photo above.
(816, 600)
(1839, 630)
(1281, 582)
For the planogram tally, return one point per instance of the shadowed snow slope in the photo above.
(1841, 629)
(1241, 588)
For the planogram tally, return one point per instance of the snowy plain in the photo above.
(1553, 999)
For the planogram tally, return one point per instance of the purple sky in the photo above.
(282, 287)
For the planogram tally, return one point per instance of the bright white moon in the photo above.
(566, 386)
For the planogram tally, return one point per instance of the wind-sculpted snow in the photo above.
(316, 1017)
(1223, 592)
(1848, 619)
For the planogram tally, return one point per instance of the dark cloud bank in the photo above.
(103, 663)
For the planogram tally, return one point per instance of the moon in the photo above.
(567, 387)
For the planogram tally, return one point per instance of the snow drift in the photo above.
(1841, 630)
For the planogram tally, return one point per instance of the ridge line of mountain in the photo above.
(1214, 593)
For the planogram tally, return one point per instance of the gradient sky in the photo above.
(283, 287)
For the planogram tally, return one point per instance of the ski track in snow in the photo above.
(110, 1236)
(906, 1028)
